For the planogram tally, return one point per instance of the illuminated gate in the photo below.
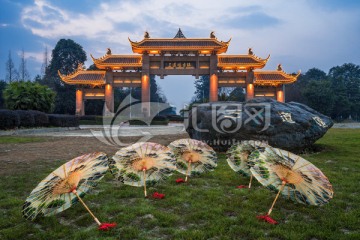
(176, 56)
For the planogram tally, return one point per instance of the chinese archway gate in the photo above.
(177, 56)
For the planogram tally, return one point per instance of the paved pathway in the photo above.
(99, 131)
(346, 125)
(123, 131)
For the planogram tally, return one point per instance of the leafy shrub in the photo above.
(29, 96)
(26, 118)
(175, 118)
(137, 122)
(157, 120)
(9, 119)
(160, 118)
(166, 122)
(59, 120)
(41, 119)
(88, 117)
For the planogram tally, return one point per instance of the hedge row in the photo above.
(157, 120)
(175, 118)
(27, 119)
(59, 120)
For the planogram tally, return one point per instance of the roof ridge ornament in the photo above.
(108, 51)
(279, 67)
(146, 34)
(179, 34)
(80, 67)
(250, 52)
(212, 34)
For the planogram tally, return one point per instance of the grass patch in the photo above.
(11, 139)
(208, 207)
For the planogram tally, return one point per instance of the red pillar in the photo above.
(280, 94)
(213, 88)
(249, 91)
(80, 111)
(145, 95)
(109, 97)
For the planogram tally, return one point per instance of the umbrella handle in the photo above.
(145, 192)
(277, 195)
(86, 207)
(187, 171)
(251, 177)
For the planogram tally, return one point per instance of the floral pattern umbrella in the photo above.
(296, 178)
(193, 157)
(142, 164)
(66, 186)
(237, 157)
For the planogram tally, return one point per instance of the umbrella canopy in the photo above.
(66, 186)
(237, 156)
(303, 182)
(142, 164)
(296, 178)
(193, 157)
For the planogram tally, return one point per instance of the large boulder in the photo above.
(291, 126)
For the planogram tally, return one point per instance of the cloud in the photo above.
(114, 21)
(251, 21)
(35, 56)
(286, 29)
(4, 25)
(32, 56)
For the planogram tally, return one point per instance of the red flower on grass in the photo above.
(267, 219)
(106, 226)
(242, 186)
(158, 195)
(180, 180)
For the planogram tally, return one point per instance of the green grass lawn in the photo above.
(208, 207)
(13, 139)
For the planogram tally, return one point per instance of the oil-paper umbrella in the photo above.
(237, 157)
(143, 164)
(66, 186)
(296, 178)
(193, 157)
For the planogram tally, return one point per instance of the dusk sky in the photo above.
(299, 34)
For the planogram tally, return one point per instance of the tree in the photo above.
(237, 95)
(320, 96)
(3, 85)
(45, 62)
(314, 74)
(66, 56)
(23, 72)
(294, 92)
(202, 89)
(342, 107)
(29, 96)
(346, 83)
(11, 73)
(156, 94)
(38, 79)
